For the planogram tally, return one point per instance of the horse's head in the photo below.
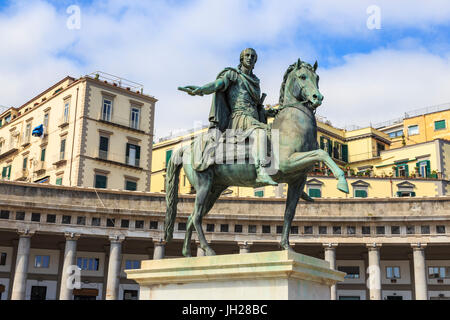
(301, 84)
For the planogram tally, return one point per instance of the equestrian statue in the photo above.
(237, 114)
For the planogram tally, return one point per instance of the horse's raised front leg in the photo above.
(295, 189)
(301, 160)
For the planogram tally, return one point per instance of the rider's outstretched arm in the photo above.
(209, 88)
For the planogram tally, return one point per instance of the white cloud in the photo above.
(165, 46)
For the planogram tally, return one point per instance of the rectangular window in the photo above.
(66, 219)
(66, 113)
(106, 110)
(380, 229)
(210, 227)
(38, 293)
(153, 225)
(41, 261)
(6, 173)
(43, 154)
(336, 230)
(279, 229)
(259, 193)
(402, 170)
(130, 295)
(110, 223)
(51, 218)
(4, 214)
(351, 271)
(438, 272)
(314, 193)
(124, 223)
(81, 221)
(360, 193)
(181, 226)
(365, 230)
(59, 181)
(345, 153)
(62, 149)
(380, 147)
(323, 230)
(223, 228)
(100, 181)
(139, 224)
(252, 228)
(392, 272)
(135, 115)
(90, 264)
(396, 134)
(351, 230)
(3, 259)
(238, 228)
(20, 215)
(395, 230)
(294, 229)
(130, 185)
(308, 230)
(410, 229)
(132, 264)
(412, 130)
(440, 229)
(103, 148)
(36, 217)
(28, 133)
(265, 229)
(439, 125)
(24, 163)
(133, 154)
(95, 222)
(424, 168)
(45, 122)
(425, 229)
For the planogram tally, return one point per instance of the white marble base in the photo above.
(275, 275)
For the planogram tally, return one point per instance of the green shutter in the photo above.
(330, 147)
(138, 153)
(399, 193)
(24, 164)
(43, 154)
(396, 171)
(428, 168)
(131, 185)
(4, 172)
(406, 171)
(100, 181)
(314, 193)
(438, 125)
(322, 143)
(360, 194)
(259, 193)
(9, 172)
(59, 181)
(413, 194)
(344, 153)
(168, 156)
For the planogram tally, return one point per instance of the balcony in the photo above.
(40, 168)
(63, 122)
(12, 148)
(22, 175)
(59, 160)
(118, 122)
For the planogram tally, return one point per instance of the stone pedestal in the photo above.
(275, 275)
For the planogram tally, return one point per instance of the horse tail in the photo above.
(172, 181)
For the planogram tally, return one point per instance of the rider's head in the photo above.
(248, 58)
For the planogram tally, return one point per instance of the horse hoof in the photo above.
(342, 185)
(210, 252)
(186, 253)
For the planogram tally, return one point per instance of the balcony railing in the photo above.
(125, 123)
(119, 159)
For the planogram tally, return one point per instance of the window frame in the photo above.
(409, 130)
(108, 112)
(440, 121)
(133, 122)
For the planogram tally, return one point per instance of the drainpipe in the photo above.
(73, 137)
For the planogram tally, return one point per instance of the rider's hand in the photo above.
(197, 92)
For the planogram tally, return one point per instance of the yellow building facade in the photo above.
(94, 133)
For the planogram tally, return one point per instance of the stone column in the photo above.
(70, 254)
(160, 249)
(244, 247)
(330, 256)
(20, 274)
(420, 276)
(115, 260)
(200, 251)
(374, 271)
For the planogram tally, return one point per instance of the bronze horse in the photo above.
(298, 151)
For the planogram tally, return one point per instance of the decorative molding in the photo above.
(105, 132)
(131, 178)
(67, 97)
(314, 182)
(360, 183)
(108, 94)
(100, 171)
(133, 139)
(136, 103)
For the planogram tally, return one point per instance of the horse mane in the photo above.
(286, 75)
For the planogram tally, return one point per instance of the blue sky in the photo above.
(367, 76)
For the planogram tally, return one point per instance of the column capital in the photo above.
(418, 246)
(25, 232)
(159, 242)
(116, 238)
(71, 236)
(329, 246)
(373, 246)
(244, 244)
